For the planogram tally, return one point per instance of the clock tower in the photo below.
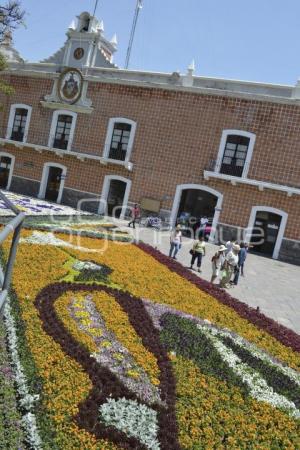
(86, 45)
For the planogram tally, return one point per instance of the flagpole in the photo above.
(95, 8)
(135, 19)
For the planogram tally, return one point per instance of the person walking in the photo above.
(175, 242)
(231, 261)
(239, 270)
(135, 214)
(203, 223)
(197, 252)
(246, 250)
(217, 262)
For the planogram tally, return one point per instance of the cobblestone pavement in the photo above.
(272, 285)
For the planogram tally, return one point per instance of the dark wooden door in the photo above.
(53, 183)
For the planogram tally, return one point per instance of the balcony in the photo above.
(41, 141)
(259, 174)
(17, 135)
(233, 169)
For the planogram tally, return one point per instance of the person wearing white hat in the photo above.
(217, 262)
(175, 242)
(231, 262)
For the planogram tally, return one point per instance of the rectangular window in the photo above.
(119, 141)
(234, 157)
(19, 124)
(62, 133)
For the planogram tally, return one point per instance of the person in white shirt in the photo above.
(217, 262)
(175, 242)
(203, 222)
(231, 261)
(229, 244)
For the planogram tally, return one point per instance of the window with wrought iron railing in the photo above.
(19, 124)
(234, 156)
(62, 132)
(119, 141)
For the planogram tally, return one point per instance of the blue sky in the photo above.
(257, 40)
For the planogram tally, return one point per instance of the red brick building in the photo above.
(79, 129)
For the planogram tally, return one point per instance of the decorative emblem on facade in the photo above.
(78, 53)
(70, 86)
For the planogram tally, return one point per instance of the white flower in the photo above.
(27, 401)
(135, 420)
(259, 389)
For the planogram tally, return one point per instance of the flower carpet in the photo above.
(36, 207)
(115, 345)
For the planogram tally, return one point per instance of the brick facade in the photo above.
(177, 136)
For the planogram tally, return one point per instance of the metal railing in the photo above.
(14, 225)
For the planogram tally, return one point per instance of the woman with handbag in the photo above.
(197, 252)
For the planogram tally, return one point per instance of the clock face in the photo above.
(78, 53)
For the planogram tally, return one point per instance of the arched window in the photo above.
(62, 130)
(119, 139)
(18, 123)
(235, 153)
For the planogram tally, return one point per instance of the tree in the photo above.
(4, 86)
(11, 16)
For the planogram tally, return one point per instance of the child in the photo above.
(135, 215)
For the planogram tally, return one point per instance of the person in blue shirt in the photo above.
(240, 267)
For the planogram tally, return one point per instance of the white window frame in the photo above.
(218, 208)
(279, 212)
(57, 113)
(223, 141)
(110, 129)
(44, 180)
(12, 165)
(105, 191)
(11, 119)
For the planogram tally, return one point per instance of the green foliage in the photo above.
(4, 86)
(182, 336)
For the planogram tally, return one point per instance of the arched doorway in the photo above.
(197, 201)
(114, 197)
(52, 183)
(266, 230)
(7, 162)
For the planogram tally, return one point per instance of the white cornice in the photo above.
(152, 80)
(260, 184)
(75, 108)
(61, 153)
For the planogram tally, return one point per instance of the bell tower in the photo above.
(86, 45)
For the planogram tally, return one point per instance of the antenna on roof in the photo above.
(95, 8)
(138, 7)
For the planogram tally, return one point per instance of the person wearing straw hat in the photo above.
(217, 262)
(231, 262)
(175, 242)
